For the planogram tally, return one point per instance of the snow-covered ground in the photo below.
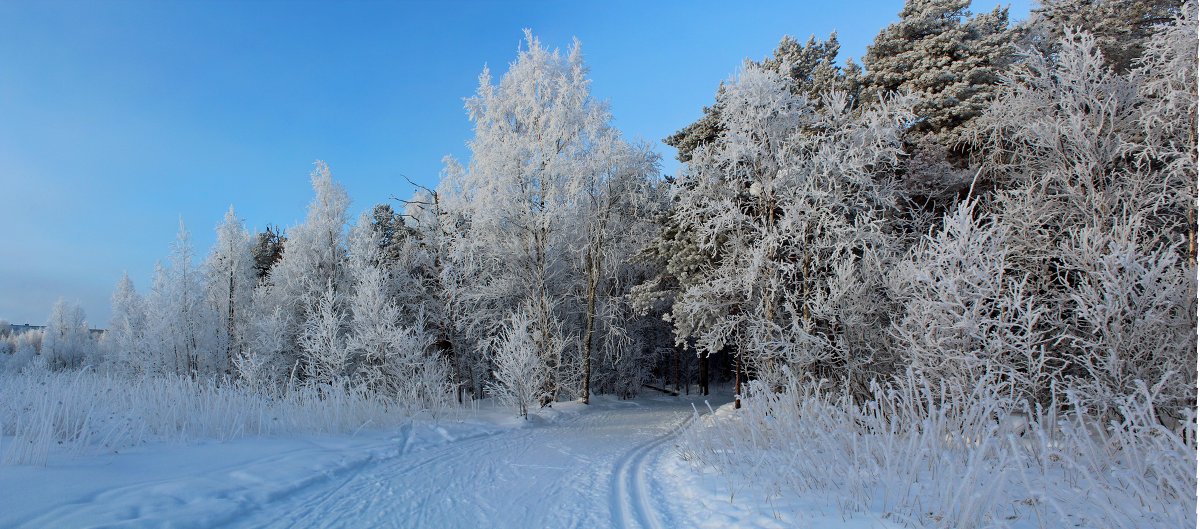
(611, 464)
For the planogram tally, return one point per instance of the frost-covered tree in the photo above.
(391, 231)
(1102, 196)
(813, 69)
(948, 59)
(67, 342)
(181, 327)
(390, 356)
(611, 224)
(312, 262)
(543, 154)
(519, 368)
(263, 362)
(127, 328)
(1167, 115)
(791, 205)
(436, 279)
(230, 276)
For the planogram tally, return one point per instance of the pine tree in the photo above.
(950, 60)
(1122, 28)
(267, 251)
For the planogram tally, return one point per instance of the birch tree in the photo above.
(542, 160)
(230, 275)
(181, 327)
(126, 328)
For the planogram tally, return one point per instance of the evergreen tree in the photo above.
(950, 60)
(267, 251)
(813, 69)
(1122, 28)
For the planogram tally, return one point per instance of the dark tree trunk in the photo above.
(737, 382)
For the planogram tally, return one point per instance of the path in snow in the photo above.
(586, 471)
(592, 469)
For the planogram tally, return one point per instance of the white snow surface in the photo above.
(610, 464)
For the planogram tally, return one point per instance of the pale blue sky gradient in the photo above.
(118, 118)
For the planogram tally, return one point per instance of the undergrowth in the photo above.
(931, 457)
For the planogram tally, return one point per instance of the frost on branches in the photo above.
(788, 207)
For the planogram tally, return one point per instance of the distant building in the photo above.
(19, 329)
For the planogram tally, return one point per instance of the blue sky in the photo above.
(118, 118)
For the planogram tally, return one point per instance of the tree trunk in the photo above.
(229, 327)
(593, 280)
(704, 374)
(678, 368)
(737, 381)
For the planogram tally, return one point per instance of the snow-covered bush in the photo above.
(519, 371)
(260, 364)
(1129, 318)
(24, 351)
(1099, 200)
(965, 317)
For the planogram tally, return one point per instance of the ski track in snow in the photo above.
(589, 470)
(631, 491)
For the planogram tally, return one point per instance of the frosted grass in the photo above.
(932, 458)
(83, 412)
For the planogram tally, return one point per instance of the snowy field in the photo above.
(612, 464)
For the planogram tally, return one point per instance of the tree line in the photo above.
(975, 201)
